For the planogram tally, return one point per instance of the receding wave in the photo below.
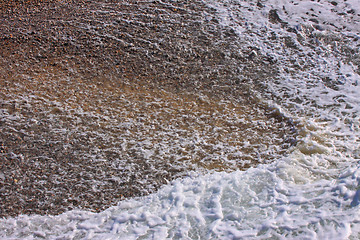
(103, 101)
(180, 120)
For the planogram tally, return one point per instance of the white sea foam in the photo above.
(260, 203)
(312, 193)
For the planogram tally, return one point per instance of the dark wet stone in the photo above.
(274, 17)
(351, 11)
(259, 4)
(289, 42)
(314, 20)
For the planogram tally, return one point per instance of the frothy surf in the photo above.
(311, 192)
(88, 120)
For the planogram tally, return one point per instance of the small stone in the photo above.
(314, 20)
(274, 17)
(252, 55)
(56, 110)
(259, 4)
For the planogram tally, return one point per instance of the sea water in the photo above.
(311, 192)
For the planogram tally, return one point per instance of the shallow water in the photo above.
(90, 108)
(309, 83)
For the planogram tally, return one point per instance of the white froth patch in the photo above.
(256, 204)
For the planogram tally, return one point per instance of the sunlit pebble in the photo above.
(252, 55)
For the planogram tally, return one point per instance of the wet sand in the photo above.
(102, 101)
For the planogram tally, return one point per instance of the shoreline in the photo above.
(110, 101)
